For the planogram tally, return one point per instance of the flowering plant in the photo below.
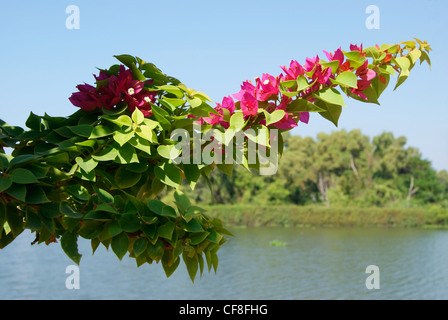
(96, 174)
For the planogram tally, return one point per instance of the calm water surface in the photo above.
(315, 264)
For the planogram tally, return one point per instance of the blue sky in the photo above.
(214, 46)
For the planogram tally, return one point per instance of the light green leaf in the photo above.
(346, 78)
(237, 121)
(331, 96)
(274, 117)
(122, 137)
(86, 165)
(137, 116)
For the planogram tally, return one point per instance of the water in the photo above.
(315, 264)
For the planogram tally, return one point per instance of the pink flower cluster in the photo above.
(112, 90)
(267, 90)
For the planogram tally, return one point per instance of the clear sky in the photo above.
(212, 46)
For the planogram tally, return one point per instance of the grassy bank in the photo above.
(314, 216)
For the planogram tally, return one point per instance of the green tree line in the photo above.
(338, 169)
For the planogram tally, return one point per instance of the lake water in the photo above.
(315, 264)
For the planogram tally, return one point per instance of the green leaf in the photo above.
(159, 114)
(198, 238)
(126, 59)
(15, 220)
(146, 133)
(120, 245)
(332, 111)
(425, 57)
(182, 199)
(331, 96)
(69, 243)
(273, 117)
(155, 252)
(122, 137)
(5, 183)
(347, 78)
(36, 195)
(106, 155)
(334, 65)
(32, 221)
(172, 89)
(34, 122)
(126, 179)
(168, 174)
(166, 230)
(302, 105)
(127, 154)
(121, 121)
(214, 236)
(237, 121)
(86, 165)
(194, 226)
(137, 116)
(139, 246)
(129, 222)
(191, 264)
(23, 159)
(82, 130)
(103, 195)
(168, 151)
(414, 55)
(50, 210)
(141, 144)
(66, 209)
(169, 269)
(100, 131)
(155, 205)
(17, 191)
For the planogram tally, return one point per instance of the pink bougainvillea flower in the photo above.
(267, 87)
(320, 75)
(338, 55)
(362, 85)
(87, 98)
(249, 104)
(354, 47)
(215, 118)
(227, 103)
(304, 117)
(295, 70)
(345, 67)
(247, 86)
(310, 63)
(365, 73)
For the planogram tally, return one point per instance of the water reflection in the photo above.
(314, 264)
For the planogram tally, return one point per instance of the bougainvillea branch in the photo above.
(96, 174)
